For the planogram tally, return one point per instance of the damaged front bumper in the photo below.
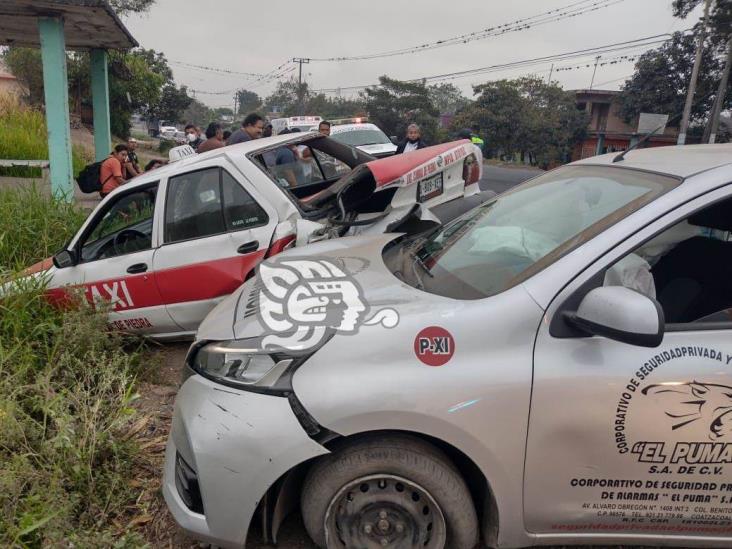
(225, 450)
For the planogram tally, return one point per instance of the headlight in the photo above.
(243, 364)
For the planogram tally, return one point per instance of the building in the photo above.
(607, 131)
(9, 84)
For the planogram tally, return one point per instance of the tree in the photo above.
(248, 101)
(395, 104)
(285, 98)
(525, 116)
(447, 98)
(125, 7)
(720, 17)
(662, 77)
(197, 113)
(25, 65)
(171, 105)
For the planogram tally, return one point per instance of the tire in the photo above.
(343, 490)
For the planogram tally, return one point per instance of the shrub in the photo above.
(68, 447)
(23, 136)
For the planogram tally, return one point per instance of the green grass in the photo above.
(68, 448)
(33, 226)
(23, 136)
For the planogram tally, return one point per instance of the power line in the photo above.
(558, 14)
(594, 51)
(215, 69)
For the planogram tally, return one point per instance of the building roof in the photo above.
(681, 161)
(87, 23)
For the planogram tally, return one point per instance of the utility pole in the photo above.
(550, 75)
(236, 101)
(592, 82)
(721, 95)
(694, 74)
(300, 60)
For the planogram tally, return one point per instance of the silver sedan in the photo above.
(553, 367)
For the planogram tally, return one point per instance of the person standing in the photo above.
(132, 166)
(413, 141)
(251, 128)
(193, 136)
(111, 170)
(214, 138)
(324, 128)
(267, 132)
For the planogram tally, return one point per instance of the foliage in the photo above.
(223, 111)
(66, 388)
(447, 98)
(662, 77)
(286, 99)
(395, 104)
(124, 7)
(23, 136)
(720, 17)
(525, 116)
(248, 101)
(199, 114)
(139, 81)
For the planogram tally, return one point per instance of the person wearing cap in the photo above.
(132, 166)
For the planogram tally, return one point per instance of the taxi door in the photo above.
(115, 262)
(634, 440)
(215, 229)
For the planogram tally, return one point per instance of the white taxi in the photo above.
(164, 248)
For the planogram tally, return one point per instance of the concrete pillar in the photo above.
(600, 143)
(55, 83)
(100, 101)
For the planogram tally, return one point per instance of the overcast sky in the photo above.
(257, 36)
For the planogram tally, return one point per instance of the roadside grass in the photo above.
(75, 460)
(23, 136)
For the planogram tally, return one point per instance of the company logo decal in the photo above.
(434, 346)
(304, 301)
(689, 403)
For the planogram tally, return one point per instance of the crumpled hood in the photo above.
(375, 294)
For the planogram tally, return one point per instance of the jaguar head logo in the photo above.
(705, 404)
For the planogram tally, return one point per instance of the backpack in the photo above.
(89, 178)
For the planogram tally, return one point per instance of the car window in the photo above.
(332, 167)
(241, 211)
(687, 268)
(500, 244)
(125, 227)
(361, 137)
(193, 208)
(208, 202)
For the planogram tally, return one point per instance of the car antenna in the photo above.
(646, 137)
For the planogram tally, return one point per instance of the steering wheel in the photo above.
(118, 238)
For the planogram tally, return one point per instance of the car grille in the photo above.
(186, 481)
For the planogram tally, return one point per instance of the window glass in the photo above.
(126, 227)
(687, 268)
(194, 208)
(361, 138)
(497, 245)
(241, 211)
(332, 167)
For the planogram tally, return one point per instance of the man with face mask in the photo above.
(193, 136)
(413, 140)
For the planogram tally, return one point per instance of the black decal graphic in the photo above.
(692, 402)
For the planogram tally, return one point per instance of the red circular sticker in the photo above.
(434, 346)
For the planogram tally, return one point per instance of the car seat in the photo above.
(695, 278)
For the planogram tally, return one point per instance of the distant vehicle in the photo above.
(367, 137)
(302, 123)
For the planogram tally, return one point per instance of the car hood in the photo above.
(359, 258)
(378, 149)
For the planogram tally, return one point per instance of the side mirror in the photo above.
(65, 258)
(394, 139)
(620, 314)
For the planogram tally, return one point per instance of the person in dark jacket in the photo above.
(413, 140)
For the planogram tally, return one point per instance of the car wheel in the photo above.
(388, 491)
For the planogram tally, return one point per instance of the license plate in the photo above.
(429, 188)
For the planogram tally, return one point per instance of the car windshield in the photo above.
(357, 138)
(501, 243)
